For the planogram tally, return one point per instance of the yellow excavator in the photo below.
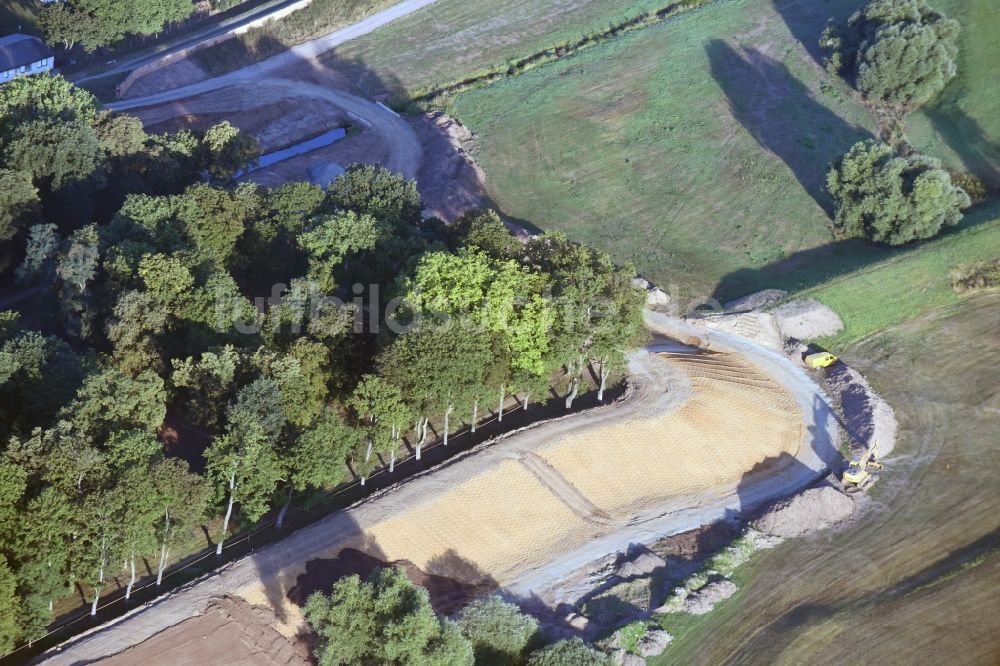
(858, 474)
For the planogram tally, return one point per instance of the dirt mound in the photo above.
(447, 594)
(806, 319)
(705, 599)
(756, 301)
(450, 181)
(811, 510)
(868, 418)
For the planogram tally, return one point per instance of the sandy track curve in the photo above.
(673, 454)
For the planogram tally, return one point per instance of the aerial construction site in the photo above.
(444, 332)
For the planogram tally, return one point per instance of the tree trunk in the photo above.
(93, 605)
(421, 435)
(475, 413)
(572, 393)
(392, 458)
(525, 405)
(131, 580)
(362, 479)
(447, 413)
(284, 510)
(604, 379)
(503, 394)
(163, 563)
(229, 513)
(368, 452)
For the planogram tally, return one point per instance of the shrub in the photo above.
(976, 277)
(572, 652)
(499, 632)
(892, 199)
(895, 52)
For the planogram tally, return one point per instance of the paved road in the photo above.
(269, 76)
(212, 27)
(650, 377)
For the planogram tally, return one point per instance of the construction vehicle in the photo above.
(820, 360)
(858, 474)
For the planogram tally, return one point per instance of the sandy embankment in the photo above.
(695, 436)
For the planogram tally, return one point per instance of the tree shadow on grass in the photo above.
(815, 266)
(782, 114)
(980, 153)
(807, 19)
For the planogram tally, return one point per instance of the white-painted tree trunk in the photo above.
(229, 513)
(421, 435)
(363, 479)
(525, 405)
(447, 413)
(475, 413)
(503, 394)
(93, 605)
(131, 579)
(163, 563)
(604, 379)
(572, 393)
(392, 459)
(284, 509)
(368, 451)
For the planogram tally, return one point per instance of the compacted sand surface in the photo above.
(696, 435)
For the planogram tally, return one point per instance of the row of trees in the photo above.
(387, 620)
(97, 23)
(148, 321)
(898, 55)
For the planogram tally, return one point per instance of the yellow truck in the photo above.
(820, 360)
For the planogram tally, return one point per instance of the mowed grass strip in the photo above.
(457, 39)
(694, 148)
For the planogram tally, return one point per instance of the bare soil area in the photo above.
(181, 73)
(230, 631)
(363, 146)
(276, 123)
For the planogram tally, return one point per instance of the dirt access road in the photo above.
(285, 76)
(686, 446)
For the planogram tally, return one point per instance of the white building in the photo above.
(23, 54)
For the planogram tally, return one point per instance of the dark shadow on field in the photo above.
(818, 265)
(782, 114)
(979, 152)
(806, 19)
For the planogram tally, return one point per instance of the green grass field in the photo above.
(456, 39)
(962, 126)
(18, 16)
(907, 283)
(695, 148)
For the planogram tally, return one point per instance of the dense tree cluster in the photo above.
(890, 198)
(897, 53)
(97, 23)
(301, 332)
(387, 620)
(66, 162)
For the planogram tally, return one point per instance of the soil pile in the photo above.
(447, 595)
(811, 510)
(868, 418)
(806, 319)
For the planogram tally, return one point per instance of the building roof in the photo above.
(17, 50)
